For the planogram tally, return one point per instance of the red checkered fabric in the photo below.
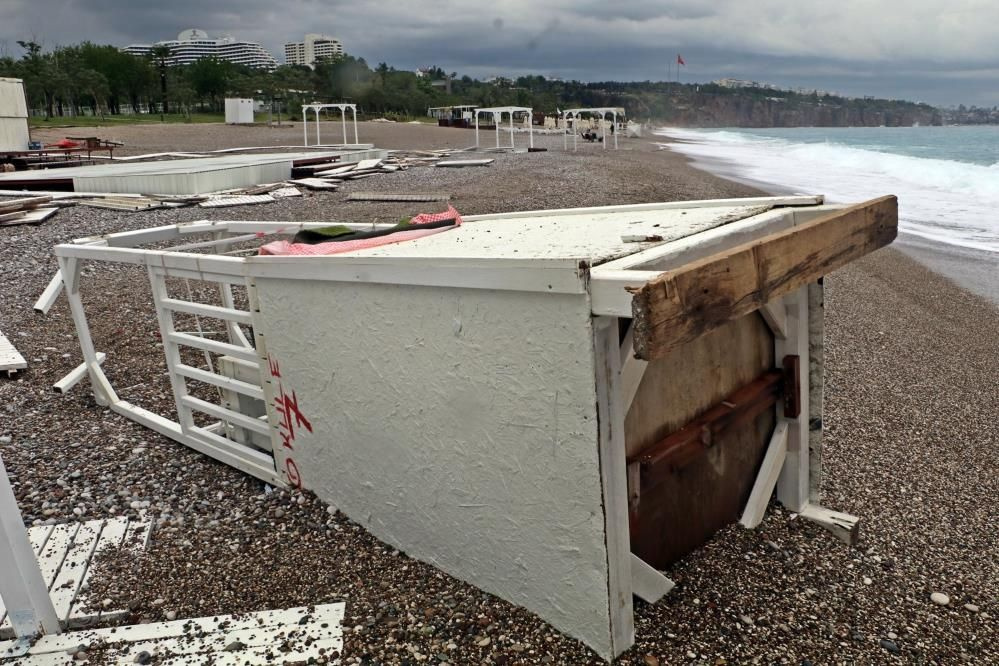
(285, 248)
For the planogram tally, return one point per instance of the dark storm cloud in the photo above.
(932, 52)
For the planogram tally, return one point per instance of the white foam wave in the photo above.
(940, 200)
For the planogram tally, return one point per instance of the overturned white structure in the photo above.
(513, 400)
(13, 115)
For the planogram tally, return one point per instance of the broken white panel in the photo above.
(10, 359)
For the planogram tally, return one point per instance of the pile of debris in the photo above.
(31, 210)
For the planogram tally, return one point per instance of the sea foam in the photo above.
(944, 201)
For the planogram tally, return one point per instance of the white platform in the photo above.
(64, 554)
(10, 359)
(283, 636)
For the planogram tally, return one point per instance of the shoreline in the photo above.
(972, 270)
(911, 393)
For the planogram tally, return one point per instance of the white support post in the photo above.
(343, 123)
(565, 132)
(632, 371)
(512, 145)
(792, 486)
(530, 128)
(318, 142)
(614, 128)
(766, 478)
(603, 121)
(69, 268)
(354, 109)
(476, 128)
(22, 587)
(497, 117)
(610, 414)
(305, 125)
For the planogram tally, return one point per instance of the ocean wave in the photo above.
(947, 201)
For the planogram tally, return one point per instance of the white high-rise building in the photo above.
(313, 48)
(193, 45)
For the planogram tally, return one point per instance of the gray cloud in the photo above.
(940, 53)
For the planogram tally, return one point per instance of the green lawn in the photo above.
(110, 121)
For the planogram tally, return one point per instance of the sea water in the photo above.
(946, 180)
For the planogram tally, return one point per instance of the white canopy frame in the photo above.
(319, 107)
(497, 113)
(572, 115)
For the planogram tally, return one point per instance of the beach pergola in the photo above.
(574, 114)
(497, 113)
(319, 107)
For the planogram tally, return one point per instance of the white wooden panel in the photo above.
(595, 237)
(502, 385)
(306, 630)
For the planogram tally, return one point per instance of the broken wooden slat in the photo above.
(844, 526)
(464, 163)
(683, 304)
(396, 196)
(285, 192)
(74, 567)
(235, 200)
(766, 478)
(314, 183)
(680, 448)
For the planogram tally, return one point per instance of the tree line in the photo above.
(104, 80)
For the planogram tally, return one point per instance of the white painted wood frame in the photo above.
(22, 586)
(610, 414)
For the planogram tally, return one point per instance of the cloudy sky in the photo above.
(939, 52)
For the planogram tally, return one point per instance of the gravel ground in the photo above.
(911, 404)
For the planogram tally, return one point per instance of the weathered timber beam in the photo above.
(683, 304)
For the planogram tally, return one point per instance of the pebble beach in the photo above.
(911, 446)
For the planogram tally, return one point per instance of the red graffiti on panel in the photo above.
(291, 417)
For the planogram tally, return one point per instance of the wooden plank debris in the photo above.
(10, 359)
(314, 183)
(26, 210)
(235, 200)
(65, 553)
(285, 192)
(294, 635)
(397, 196)
(686, 303)
(465, 163)
(122, 203)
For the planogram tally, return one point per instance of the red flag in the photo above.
(680, 61)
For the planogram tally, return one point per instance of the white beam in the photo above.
(610, 416)
(632, 371)
(609, 293)
(49, 296)
(792, 486)
(647, 583)
(776, 317)
(22, 586)
(766, 478)
(75, 375)
(843, 525)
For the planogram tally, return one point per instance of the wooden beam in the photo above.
(648, 583)
(766, 479)
(843, 525)
(684, 304)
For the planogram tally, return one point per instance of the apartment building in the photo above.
(311, 49)
(193, 45)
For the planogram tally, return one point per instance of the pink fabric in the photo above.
(283, 247)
